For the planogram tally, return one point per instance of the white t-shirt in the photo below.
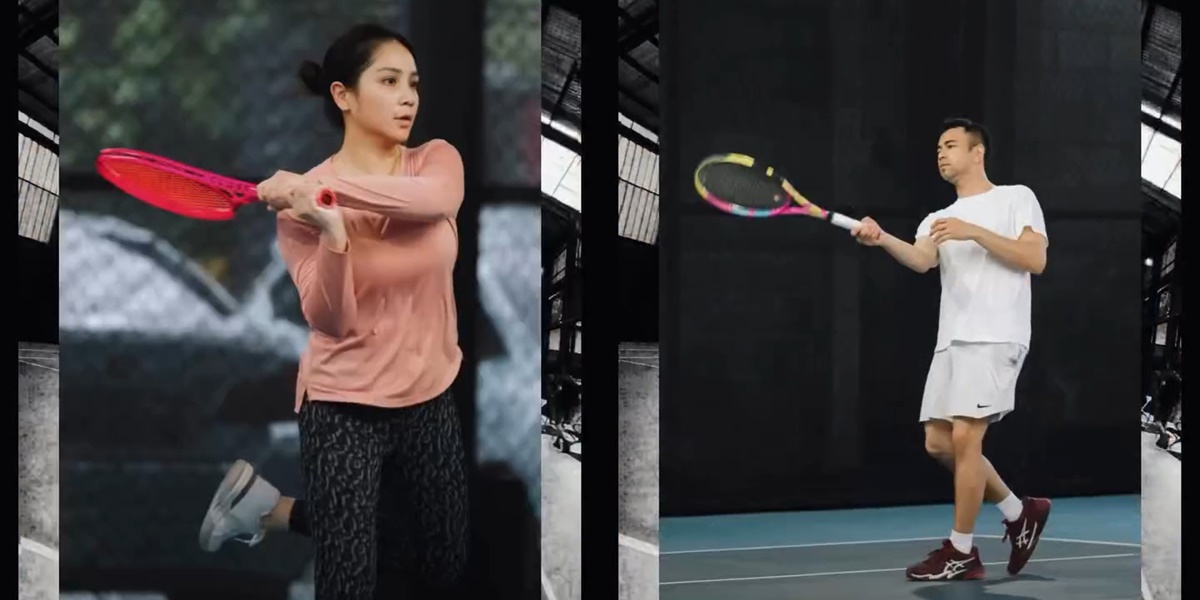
(984, 300)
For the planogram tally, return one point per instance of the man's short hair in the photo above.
(976, 131)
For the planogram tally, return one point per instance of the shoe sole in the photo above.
(236, 479)
(1041, 529)
(966, 577)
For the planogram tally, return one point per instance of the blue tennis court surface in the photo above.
(1091, 549)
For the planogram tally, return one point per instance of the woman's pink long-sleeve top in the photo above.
(384, 330)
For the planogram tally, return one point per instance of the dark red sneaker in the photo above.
(947, 564)
(1025, 532)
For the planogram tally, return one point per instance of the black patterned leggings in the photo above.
(387, 499)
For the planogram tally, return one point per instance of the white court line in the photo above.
(28, 545)
(818, 545)
(891, 541)
(636, 544)
(634, 362)
(549, 591)
(1096, 542)
(868, 571)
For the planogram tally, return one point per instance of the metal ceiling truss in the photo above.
(38, 137)
(32, 27)
(641, 32)
(637, 138)
(43, 25)
(562, 139)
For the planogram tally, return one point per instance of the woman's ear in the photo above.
(341, 95)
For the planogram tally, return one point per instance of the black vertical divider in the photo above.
(598, 74)
(454, 110)
(452, 43)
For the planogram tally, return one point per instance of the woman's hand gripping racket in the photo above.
(180, 188)
(738, 185)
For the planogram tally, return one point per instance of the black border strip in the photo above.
(599, 228)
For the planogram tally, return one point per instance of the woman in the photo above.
(381, 446)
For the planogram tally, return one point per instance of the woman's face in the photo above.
(386, 98)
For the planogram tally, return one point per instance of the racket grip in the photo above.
(327, 198)
(843, 221)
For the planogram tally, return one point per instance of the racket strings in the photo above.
(163, 187)
(743, 186)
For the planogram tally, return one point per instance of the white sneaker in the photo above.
(237, 509)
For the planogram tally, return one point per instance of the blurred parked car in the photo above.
(166, 380)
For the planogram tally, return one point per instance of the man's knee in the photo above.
(966, 436)
(938, 444)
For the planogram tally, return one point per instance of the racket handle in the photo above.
(843, 221)
(327, 198)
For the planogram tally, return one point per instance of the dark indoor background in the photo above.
(37, 138)
(794, 359)
(183, 336)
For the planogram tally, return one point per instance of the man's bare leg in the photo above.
(970, 476)
(940, 445)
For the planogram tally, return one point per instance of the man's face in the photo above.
(957, 154)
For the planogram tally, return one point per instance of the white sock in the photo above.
(962, 541)
(1011, 507)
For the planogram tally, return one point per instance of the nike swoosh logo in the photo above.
(982, 405)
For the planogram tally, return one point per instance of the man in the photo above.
(987, 243)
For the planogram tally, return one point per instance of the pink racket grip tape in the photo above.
(327, 198)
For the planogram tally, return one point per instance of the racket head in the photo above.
(741, 185)
(174, 186)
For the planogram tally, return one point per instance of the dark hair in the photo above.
(345, 60)
(978, 133)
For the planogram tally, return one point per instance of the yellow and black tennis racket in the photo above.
(740, 185)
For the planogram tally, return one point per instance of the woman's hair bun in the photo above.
(310, 73)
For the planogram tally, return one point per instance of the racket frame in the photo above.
(239, 193)
(799, 205)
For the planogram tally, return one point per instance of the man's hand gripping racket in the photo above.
(200, 194)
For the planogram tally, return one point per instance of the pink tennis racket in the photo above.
(180, 188)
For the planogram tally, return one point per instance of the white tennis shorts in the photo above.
(977, 380)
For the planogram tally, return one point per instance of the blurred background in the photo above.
(182, 337)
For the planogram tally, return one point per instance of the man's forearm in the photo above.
(907, 254)
(1022, 255)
